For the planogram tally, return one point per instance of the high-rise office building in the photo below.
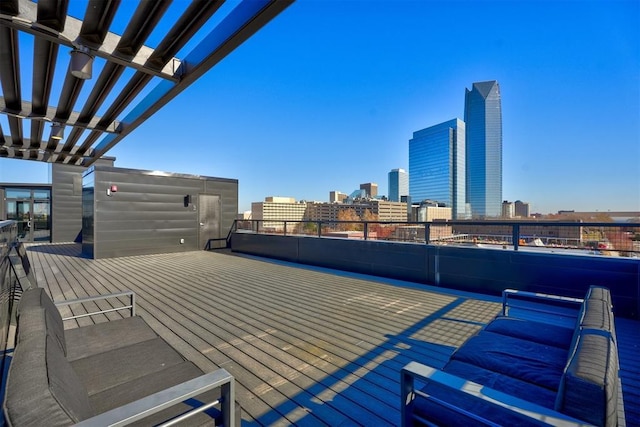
(398, 185)
(483, 119)
(437, 165)
(371, 188)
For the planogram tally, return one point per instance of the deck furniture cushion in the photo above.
(65, 385)
(515, 387)
(34, 320)
(117, 396)
(37, 298)
(541, 333)
(595, 314)
(589, 388)
(31, 298)
(599, 292)
(531, 362)
(99, 338)
(41, 378)
(112, 368)
(598, 315)
(443, 416)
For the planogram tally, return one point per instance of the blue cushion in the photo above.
(541, 333)
(523, 390)
(443, 416)
(524, 360)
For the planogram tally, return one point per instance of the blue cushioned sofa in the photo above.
(545, 360)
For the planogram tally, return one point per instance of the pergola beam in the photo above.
(70, 36)
(246, 19)
(26, 112)
(109, 90)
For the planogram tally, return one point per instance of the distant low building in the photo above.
(370, 188)
(383, 210)
(351, 234)
(428, 213)
(337, 197)
(243, 216)
(522, 209)
(508, 209)
(275, 210)
(438, 230)
(549, 234)
(517, 209)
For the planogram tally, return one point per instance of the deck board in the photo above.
(306, 345)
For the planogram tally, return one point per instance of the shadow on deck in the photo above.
(306, 345)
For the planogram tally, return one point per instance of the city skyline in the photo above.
(312, 103)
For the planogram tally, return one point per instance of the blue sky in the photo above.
(327, 95)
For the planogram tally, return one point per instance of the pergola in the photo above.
(113, 81)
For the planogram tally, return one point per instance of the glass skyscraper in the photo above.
(483, 118)
(398, 184)
(437, 165)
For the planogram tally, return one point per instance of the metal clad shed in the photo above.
(66, 194)
(134, 212)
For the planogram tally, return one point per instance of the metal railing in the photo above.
(586, 238)
(129, 306)
(140, 409)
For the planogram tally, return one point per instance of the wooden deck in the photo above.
(306, 346)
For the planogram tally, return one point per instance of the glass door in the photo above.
(20, 211)
(40, 226)
(31, 209)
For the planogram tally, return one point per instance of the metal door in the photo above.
(209, 221)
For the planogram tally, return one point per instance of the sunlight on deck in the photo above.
(306, 345)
